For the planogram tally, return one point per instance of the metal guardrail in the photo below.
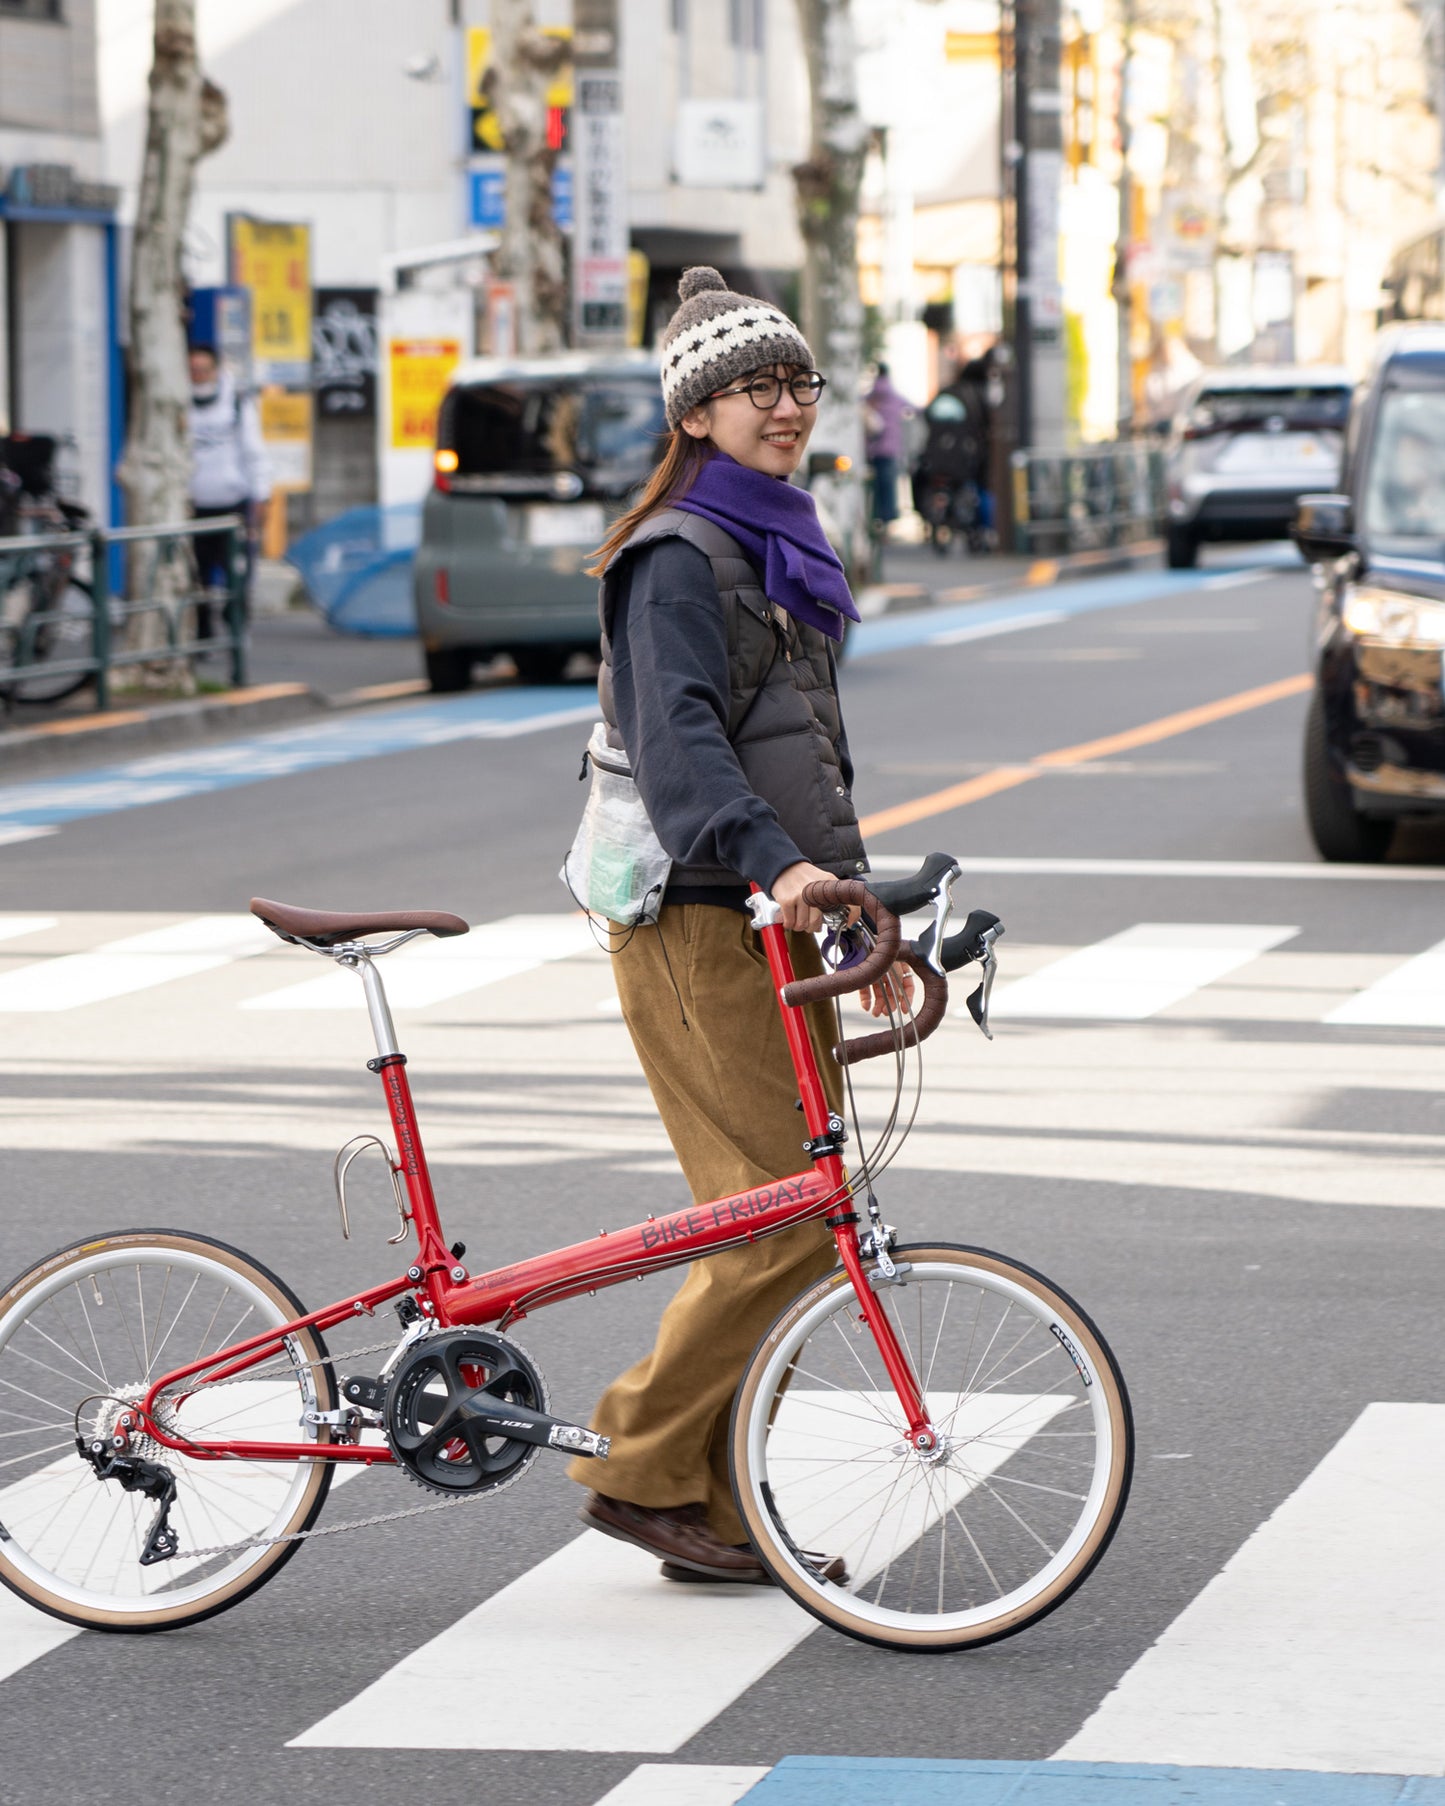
(62, 623)
(1105, 495)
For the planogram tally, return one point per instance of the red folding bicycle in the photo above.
(947, 1420)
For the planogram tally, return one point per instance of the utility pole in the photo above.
(600, 234)
(1122, 294)
(1039, 131)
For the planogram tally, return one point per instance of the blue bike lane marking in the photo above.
(44, 804)
(865, 1781)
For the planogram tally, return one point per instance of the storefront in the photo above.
(60, 357)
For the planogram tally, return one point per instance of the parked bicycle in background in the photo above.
(46, 594)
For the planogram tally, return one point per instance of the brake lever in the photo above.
(978, 1002)
(928, 944)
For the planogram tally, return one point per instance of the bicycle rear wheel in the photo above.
(67, 634)
(970, 1542)
(85, 1332)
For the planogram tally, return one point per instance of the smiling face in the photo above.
(770, 440)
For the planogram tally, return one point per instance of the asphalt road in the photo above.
(1244, 1195)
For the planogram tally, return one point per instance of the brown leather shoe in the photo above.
(831, 1567)
(678, 1534)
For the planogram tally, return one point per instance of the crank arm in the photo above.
(519, 1423)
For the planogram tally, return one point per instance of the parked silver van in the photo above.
(534, 459)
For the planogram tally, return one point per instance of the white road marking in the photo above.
(678, 1784)
(604, 1655)
(1173, 868)
(12, 927)
(1412, 996)
(1137, 973)
(133, 964)
(987, 629)
(9, 837)
(1233, 579)
(429, 971)
(1318, 1646)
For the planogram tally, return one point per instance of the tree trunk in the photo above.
(186, 119)
(828, 184)
(524, 64)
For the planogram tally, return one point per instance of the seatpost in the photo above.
(377, 1007)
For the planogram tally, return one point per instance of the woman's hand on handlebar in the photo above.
(788, 889)
(895, 991)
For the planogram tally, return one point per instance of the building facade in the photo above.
(59, 252)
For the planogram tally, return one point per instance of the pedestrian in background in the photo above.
(230, 474)
(885, 413)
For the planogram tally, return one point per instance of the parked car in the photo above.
(1375, 735)
(534, 459)
(1243, 447)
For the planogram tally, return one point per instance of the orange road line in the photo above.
(1008, 777)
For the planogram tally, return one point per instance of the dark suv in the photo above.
(534, 459)
(1375, 737)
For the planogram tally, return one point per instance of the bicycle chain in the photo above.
(299, 1536)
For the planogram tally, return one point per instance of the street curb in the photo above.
(900, 598)
(134, 731)
(80, 740)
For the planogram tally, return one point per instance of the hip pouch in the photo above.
(616, 866)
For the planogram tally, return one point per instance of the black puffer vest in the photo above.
(783, 717)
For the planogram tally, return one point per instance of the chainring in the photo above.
(432, 1439)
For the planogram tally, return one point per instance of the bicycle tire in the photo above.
(70, 637)
(813, 1471)
(65, 1350)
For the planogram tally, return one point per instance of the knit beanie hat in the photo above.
(716, 337)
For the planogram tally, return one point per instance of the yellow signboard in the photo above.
(272, 258)
(420, 370)
(970, 46)
(286, 428)
(486, 132)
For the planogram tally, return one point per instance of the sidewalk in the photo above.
(301, 669)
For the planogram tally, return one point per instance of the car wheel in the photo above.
(1339, 830)
(541, 664)
(1181, 550)
(449, 669)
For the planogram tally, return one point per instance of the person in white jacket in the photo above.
(229, 471)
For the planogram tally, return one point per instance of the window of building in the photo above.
(745, 23)
(30, 9)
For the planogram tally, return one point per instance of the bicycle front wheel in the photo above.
(959, 1545)
(67, 634)
(82, 1335)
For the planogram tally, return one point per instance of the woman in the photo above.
(720, 602)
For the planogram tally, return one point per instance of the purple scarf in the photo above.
(778, 527)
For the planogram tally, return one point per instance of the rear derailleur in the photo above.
(136, 1474)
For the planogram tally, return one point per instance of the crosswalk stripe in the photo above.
(135, 963)
(1412, 996)
(430, 971)
(1137, 973)
(678, 1784)
(603, 1655)
(12, 927)
(1338, 1599)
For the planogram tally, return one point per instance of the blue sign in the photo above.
(487, 196)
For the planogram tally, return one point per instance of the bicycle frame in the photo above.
(451, 1297)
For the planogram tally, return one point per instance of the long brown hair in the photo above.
(674, 476)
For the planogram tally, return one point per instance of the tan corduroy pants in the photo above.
(699, 1003)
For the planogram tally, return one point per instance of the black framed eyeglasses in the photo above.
(765, 391)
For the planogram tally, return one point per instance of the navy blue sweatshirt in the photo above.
(671, 691)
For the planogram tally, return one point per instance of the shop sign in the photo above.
(272, 258)
(343, 353)
(487, 195)
(600, 233)
(720, 144)
(420, 372)
(486, 127)
(286, 428)
(56, 187)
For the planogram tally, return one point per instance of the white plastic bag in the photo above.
(616, 867)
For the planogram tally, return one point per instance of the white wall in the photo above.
(63, 347)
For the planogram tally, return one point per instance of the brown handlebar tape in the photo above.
(925, 1019)
(844, 893)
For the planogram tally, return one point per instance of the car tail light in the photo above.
(442, 585)
(444, 463)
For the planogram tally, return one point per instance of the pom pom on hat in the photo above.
(699, 280)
